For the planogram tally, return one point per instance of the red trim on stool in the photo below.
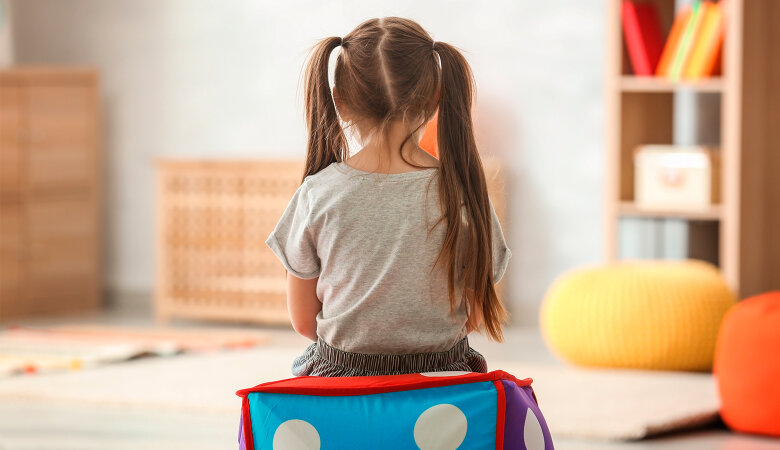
(344, 386)
(248, 438)
(500, 414)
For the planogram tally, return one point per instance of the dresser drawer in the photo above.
(11, 268)
(10, 148)
(60, 137)
(61, 258)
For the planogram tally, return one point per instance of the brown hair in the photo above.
(390, 69)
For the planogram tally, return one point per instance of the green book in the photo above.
(686, 42)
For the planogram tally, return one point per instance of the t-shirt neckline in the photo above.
(422, 173)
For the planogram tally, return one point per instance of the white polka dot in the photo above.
(296, 435)
(449, 373)
(532, 432)
(440, 427)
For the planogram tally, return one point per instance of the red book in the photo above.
(642, 32)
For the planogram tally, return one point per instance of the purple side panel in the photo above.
(241, 441)
(515, 416)
(518, 401)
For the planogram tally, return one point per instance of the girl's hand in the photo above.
(303, 305)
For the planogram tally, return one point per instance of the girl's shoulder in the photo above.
(325, 183)
(327, 173)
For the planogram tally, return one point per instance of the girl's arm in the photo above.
(303, 305)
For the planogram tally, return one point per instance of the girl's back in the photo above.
(365, 235)
(392, 262)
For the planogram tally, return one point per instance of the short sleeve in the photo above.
(292, 240)
(501, 252)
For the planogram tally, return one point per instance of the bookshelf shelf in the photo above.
(741, 234)
(630, 83)
(630, 209)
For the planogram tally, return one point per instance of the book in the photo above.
(717, 64)
(708, 45)
(673, 41)
(642, 32)
(690, 35)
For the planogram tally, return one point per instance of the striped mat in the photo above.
(27, 350)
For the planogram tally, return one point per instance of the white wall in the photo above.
(221, 79)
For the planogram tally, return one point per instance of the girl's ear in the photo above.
(340, 107)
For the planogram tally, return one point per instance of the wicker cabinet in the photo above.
(212, 221)
(49, 191)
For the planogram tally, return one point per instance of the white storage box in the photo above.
(670, 177)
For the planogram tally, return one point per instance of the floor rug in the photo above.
(596, 404)
(73, 347)
(620, 404)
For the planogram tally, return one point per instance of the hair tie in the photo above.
(433, 45)
(341, 41)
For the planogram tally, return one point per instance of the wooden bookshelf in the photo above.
(714, 213)
(630, 83)
(742, 232)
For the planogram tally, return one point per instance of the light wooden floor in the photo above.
(37, 425)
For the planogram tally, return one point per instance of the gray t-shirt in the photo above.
(365, 236)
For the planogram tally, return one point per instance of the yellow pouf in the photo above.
(660, 315)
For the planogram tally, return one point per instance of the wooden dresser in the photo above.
(50, 191)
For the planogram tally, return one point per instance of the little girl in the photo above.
(391, 254)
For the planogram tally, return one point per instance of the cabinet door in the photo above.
(61, 136)
(62, 254)
(11, 270)
(10, 128)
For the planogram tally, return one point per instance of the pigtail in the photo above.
(463, 185)
(327, 142)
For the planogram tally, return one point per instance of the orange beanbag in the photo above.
(747, 365)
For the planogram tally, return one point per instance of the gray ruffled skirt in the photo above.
(321, 359)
